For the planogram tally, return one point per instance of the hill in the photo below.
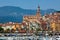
(15, 14)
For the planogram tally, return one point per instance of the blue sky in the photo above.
(32, 4)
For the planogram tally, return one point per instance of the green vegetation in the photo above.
(1, 30)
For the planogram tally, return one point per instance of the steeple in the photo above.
(38, 11)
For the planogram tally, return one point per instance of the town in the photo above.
(37, 23)
(33, 27)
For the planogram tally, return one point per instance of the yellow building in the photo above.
(53, 25)
(56, 17)
(57, 27)
(16, 26)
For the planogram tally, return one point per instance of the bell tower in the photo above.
(38, 11)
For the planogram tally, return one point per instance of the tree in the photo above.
(12, 30)
(7, 30)
(1, 29)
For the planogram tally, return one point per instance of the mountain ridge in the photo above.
(15, 14)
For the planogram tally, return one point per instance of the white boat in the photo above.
(57, 38)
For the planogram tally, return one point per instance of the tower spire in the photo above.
(38, 11)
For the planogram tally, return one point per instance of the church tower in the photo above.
(38, 12)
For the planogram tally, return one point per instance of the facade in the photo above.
(55, 21)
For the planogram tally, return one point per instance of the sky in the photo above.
(32, 4)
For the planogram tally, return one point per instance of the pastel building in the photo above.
(32, 21)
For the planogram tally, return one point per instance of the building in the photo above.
(32, 18)
(33, 22)
(55, 21)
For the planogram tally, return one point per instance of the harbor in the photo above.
(25, 36)
(30, 38)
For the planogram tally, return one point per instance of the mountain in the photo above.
(15, 14)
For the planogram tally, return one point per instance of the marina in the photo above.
(30, 38)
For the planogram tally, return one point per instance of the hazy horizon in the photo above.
(32, 4)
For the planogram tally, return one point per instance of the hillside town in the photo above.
(34, 24)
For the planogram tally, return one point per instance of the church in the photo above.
(33, 18)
